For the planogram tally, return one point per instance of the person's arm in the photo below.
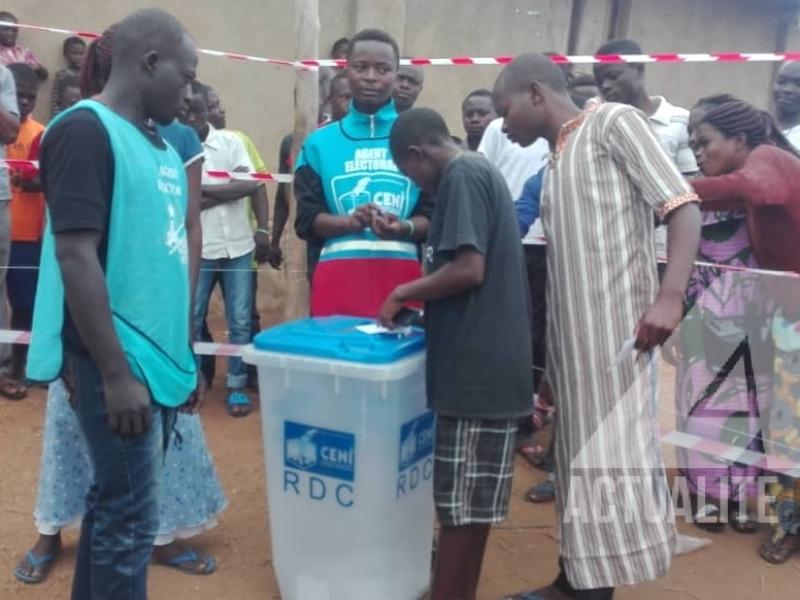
(462, 244)
(31, 185)
(527, 207)
(9, 126)
(127, 399)
(194, 229)
(313, 221)
(758, 183)
(388, 227)
(9, 112)
(636, 149)
(280, 214)
(464, 273)
(720, 193)
(238, 161)
(231, 191)
(28, 179)
(194, 239)
(260, 203)
(55, 97)
(327, 225)
(422, 215)
(665, 314)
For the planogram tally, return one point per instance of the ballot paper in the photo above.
(627, 349)
(375, 329)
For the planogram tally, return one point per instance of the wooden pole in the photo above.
(306, 97)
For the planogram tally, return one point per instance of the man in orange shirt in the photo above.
(27, 223)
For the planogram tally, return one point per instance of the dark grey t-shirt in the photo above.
(479, 346)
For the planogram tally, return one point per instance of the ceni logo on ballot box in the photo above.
(313, 453)
(416, 453)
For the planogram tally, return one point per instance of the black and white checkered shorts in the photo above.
(473, 470)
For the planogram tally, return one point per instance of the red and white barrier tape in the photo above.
(92, 35)
(561, 59)
(774, 464)
(741, 269)
(287, 178)
(8, 336)
(83, 34)
(587, 59)
(252, 176)
(767, 462)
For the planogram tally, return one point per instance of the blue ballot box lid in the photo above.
(339, 338)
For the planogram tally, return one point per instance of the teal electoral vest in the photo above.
(147, 268)
(353, 160)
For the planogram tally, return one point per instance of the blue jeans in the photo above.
(122, 512)
(237, 292)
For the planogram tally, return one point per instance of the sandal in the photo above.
(779, 548)
(12, 389)
(40, 567)
(742, 522)
(708, 518)
(541, 493)
(238, 405)
(536, 455)
(192, 563)
(542, 412)
(549, 593)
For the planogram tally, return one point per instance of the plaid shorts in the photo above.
(473, 469)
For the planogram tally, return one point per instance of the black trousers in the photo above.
(536, 262)
(536, 266)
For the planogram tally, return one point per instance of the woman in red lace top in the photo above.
(751, 166)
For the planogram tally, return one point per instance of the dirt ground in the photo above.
(522, 552)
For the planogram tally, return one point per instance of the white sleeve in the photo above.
(8, 92)
(684, 157)
(238, 154)
(488, 145)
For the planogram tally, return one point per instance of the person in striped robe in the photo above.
(608, 174)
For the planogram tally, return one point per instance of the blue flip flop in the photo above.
(542, 493)
(525, 596)
(236, 400)
(191, 557)
(41, 568)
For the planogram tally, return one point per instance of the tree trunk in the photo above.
(306, 110)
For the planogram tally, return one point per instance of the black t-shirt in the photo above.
(479, 346)
(77, 173)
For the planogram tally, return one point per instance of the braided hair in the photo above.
(716, 100)
(731, 117)
(97, 64)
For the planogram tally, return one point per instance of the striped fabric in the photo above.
(473, 469)
(369, 248)
(607, 177)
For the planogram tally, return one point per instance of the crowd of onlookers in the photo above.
(548, 217)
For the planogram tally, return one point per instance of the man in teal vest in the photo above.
(352, 200)
(112, 313)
